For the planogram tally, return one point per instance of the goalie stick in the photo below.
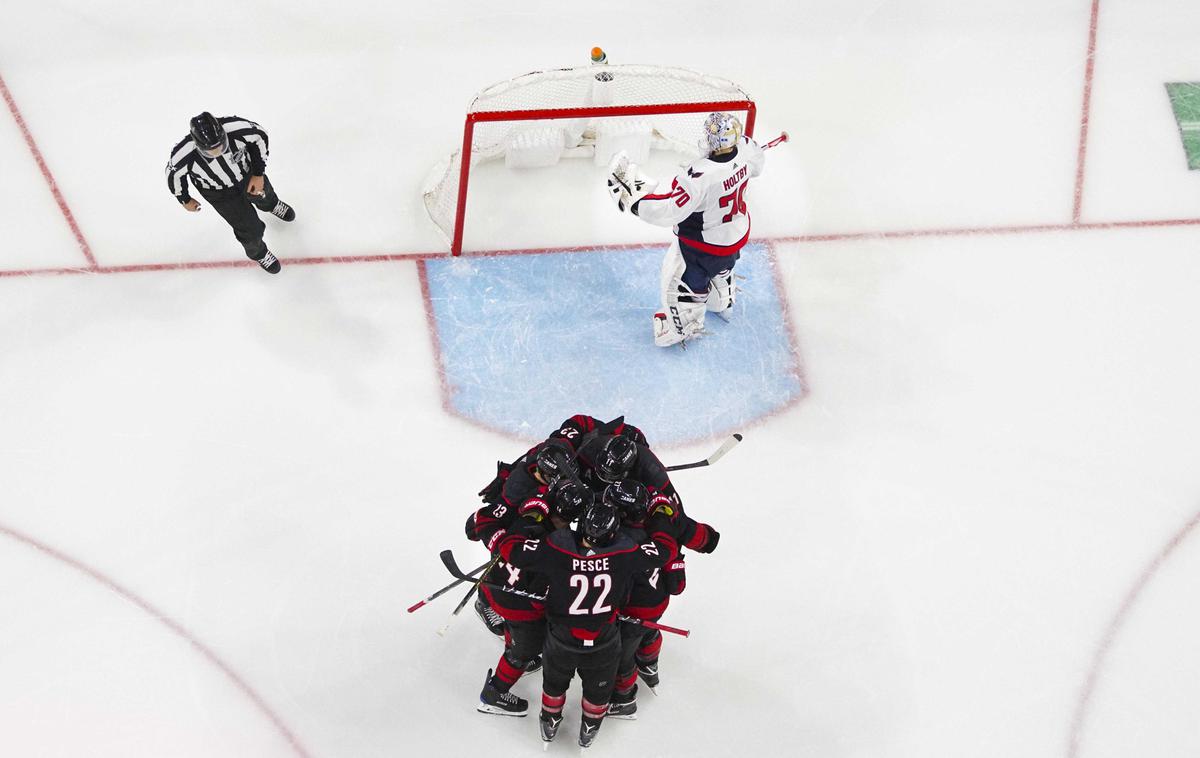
(447, 557)
(710, 460)
(781, 138)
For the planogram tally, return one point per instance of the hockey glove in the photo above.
(663, 517)
(534, 508)
(491, 493)
(705, 539)
(674, 576)
(530, 525)
(626, 185)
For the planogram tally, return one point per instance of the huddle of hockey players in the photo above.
(705, 204)
(587, 535)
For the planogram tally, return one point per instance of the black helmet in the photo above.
(209, 135)
(554, 462)
(600, 522)
(630, 499)
(571, 499)
(616, 459)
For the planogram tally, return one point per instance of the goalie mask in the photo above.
(721, 133)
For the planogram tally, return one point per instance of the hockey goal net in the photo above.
(588, 111)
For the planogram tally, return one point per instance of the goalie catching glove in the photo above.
(626, 185)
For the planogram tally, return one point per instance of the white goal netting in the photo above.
(587, 111)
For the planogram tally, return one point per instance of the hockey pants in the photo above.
(597, 666)
(635, 639)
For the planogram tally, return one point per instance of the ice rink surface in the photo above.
(973, 535)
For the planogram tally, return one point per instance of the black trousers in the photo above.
(632, 638)
(238, 209)
(527, 638)
(597, 665)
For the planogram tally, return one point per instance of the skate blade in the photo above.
(622, 716)
(694, 336)
(485, 708)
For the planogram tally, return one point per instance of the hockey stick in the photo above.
(447, 588)
(457, 609)
(781, 138)
(710, 460)
(447, 557)
(655, 625)
(474, 586)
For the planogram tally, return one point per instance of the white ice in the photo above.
(985, 503)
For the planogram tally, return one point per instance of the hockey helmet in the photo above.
(209, 136)
(600, 522)
(721, 133)
(630, 498)
(554, 462)
(616, 460)
(571, 499)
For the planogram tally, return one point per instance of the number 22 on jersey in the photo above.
(601, 582)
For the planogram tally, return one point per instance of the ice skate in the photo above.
(492, 700)
(648, 671)
(588, 729)
(492, 620)
(623, 705)
(548, 724)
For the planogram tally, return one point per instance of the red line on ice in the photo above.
(174, 626)
(811, 238)
(49, 177)
(1085, 117)
(435, 340)
(1100, 657)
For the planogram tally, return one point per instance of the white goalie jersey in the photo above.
(706, 202)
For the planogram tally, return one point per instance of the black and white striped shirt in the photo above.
(247, 155)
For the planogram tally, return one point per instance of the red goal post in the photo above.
(600, 105)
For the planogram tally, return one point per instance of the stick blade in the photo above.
(724, 448)
(451, 565)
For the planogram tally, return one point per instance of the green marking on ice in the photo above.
(1185, 101)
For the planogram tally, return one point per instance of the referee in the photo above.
(226, 158)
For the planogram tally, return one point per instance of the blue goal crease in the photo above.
(528, 340)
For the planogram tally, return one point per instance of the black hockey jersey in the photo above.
(586, 586)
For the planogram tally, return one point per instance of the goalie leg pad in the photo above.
(683, 309)
(723, 292)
